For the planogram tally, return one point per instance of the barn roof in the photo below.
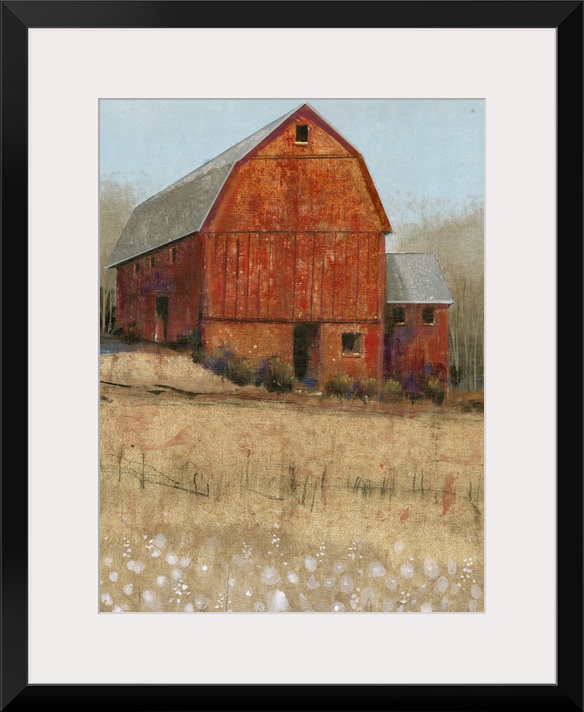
(415, 277)
(181, 209)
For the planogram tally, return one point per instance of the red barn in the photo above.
(277, 246)
(416, 342)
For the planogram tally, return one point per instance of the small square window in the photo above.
(173, 255)
(302, 134)
(428, 315)
(153, 262)
(399, 315)
(351, 344)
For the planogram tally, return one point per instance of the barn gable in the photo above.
(303, 177)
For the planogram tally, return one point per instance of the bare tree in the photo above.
(457, 240)
(116, 202)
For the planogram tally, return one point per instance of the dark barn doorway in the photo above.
(161, 326)
(306, 351)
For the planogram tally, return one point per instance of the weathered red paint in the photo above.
(299, 276)
(414, 349)
(180, 282)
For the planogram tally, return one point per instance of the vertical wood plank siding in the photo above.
(305, 276)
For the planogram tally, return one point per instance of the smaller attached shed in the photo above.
(416, 320)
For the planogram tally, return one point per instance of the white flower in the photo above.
(391, 583)
(313, 583)
(368, 596)
(278, 602)
(430, 568)
(159, 540)
(310, 563)
(201, 602)
(136, 566)
(270, 575)
(346, 583)
(376, 569)
(441, 585)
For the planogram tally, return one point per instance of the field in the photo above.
(222, 498)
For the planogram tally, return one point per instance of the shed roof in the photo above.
(415, 278)
(182, 208)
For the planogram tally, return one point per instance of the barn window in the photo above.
(136, 267)
(153, 262)
(351, 344)
(428, 315)
(302, 133)
(173, 255)
(399, 315)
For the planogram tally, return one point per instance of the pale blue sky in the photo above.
(420, 149)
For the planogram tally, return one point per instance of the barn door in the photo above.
(305, 353)
(161, 319)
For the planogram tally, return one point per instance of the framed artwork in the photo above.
(252, 417)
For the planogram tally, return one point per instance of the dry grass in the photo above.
(243, 491)
(161, 366)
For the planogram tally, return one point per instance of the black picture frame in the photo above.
(566, 17)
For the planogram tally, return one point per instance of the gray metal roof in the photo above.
(415, 277)
(181, 209)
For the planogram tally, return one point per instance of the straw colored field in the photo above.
(213, 499)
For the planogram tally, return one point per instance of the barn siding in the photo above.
(254, 339)
(333, 361)
(414, 349)
(294, 276)
(180, 282)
